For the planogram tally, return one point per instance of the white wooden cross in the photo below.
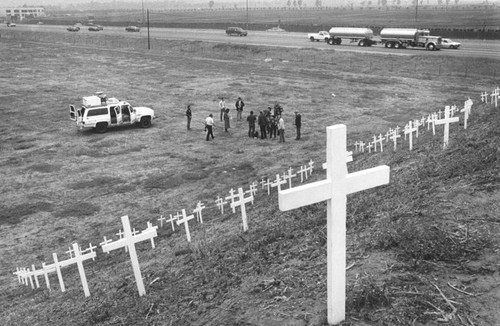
(369, 146)
(374, 142)
(220, 203)
(446, 122)
(161, 219)
(466, 110)
(362, 146)
(268, 185)
(433, 122)
(129, 240)
(172, 219)
(380, 140)
(263, 183)
(231, 197)
(410, 131)
(356, 146)
(311, 167)
(387, 135)
(253, 190)
(278, 182)
(494, 96)
(439, 113)
(185, 219)
(241, 203)
(429, 121)
(416, 124)
(289, 176)
(78, 259)
(334, 190)
(484, 97)
(303, 172)
(199, 207)
(394, 137)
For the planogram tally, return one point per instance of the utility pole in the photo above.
(416, 10)
(247, 14)
(149, 43)
(143, 11)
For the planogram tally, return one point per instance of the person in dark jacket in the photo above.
(189, 115)
(274, 127)
(262, 124)
(226, 120)
(298, 124)
(251, 124)
(239, 108)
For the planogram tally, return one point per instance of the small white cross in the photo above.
(446, 122)
(185, 219)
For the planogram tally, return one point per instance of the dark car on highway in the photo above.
(132, 29)
(73, 28)
(238, 31)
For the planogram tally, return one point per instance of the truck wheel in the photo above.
(146, 122)
(431, 47)
(330, 41)
(397, 45)
(362, 43)
(312, 39)
(101, 127)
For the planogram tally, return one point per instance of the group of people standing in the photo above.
(270, 121)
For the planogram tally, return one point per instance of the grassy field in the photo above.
(424, 248)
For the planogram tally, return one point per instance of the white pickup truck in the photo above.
(320, 36)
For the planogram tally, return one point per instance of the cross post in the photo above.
(334, 190)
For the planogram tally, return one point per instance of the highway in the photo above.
(469, 48)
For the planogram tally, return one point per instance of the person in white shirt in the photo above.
(209, 123)
(222, 107)
(281, 128)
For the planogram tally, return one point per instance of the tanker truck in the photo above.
(363, 36)
(404, 37)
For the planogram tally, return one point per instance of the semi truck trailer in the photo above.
(404, 37)
(362, 36)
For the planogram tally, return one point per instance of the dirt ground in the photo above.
(424, 248)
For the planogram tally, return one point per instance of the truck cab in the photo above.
(99, 112)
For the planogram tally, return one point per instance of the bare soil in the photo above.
(423, 249)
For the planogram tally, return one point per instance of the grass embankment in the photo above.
(431, 228)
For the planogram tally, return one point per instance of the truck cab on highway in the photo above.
(404, 37)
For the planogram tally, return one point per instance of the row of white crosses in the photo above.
(494, 96)
(411, 129)
(127, 240)
(77, 256)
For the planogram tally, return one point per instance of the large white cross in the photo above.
(446, 122)
(241, 202)
(334, 190)
(129, 240)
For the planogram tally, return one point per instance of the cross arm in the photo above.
(367, 179)
(305, 195)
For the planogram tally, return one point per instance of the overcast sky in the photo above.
(5, 3)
